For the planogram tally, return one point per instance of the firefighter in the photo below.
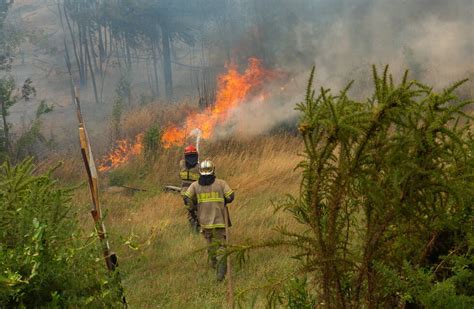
(210, 196)
(189, 172)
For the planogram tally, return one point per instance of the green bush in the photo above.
(297, 296)
(152, 142)
(121, 176)
(385, 182)
(386, 199)
(45, 260)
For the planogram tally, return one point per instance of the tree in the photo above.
(386, 199)
(7, 43)
(9, 95)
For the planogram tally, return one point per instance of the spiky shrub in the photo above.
(386, 197)
(45, 261)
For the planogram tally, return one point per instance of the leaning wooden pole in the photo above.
(93, 181)
(91, 170)
(230, 287)
(110, 258)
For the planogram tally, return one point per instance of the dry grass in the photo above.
(168, 269)
(140, 118)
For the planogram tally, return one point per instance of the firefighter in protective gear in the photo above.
(189, 172)
(210, 196)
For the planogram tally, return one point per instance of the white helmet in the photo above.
(206, 167)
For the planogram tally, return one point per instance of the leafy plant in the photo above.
(9, 96)
(152, 142)
(120, 177)
(117, 112)
(45, 260)
(25, 144)
(385, 203)
(297, 296)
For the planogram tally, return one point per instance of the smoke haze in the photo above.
(433, 39)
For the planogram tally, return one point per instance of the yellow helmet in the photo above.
(206, 167)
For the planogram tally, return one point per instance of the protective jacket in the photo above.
(210, 201)
(187, 175)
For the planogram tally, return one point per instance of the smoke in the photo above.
(434, 40)
(341, 38)
(197, 133)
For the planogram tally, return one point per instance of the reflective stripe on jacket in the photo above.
(210, 201)
(187, 176)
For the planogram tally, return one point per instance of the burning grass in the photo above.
(233, 89)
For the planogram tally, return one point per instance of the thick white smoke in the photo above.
(433, 39)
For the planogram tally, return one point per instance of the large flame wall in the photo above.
(233, 88)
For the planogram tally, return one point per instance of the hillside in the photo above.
(169, 268)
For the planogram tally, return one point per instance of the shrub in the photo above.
(45, 260)
(120, 176)
(152, 142)
(385, 205)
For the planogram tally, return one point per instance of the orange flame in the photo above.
(122, 153)
(233, 88)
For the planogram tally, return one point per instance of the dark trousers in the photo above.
(192, 218)
(216, 240)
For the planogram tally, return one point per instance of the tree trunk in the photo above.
(129, 55)
(165, 39)
(101, 51)
(6, 133)
(86, 49)
(92, 50)
(82, 56)
(74, 44)
(111, 45)
(156, 89)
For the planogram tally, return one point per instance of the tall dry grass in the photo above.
(169, 268)
(163, 263)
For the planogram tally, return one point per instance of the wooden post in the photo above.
(230, 287)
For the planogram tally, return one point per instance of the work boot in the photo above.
(221, 269)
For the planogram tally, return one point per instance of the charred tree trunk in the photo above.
(165, 39)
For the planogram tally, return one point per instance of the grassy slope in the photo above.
(169, 270)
